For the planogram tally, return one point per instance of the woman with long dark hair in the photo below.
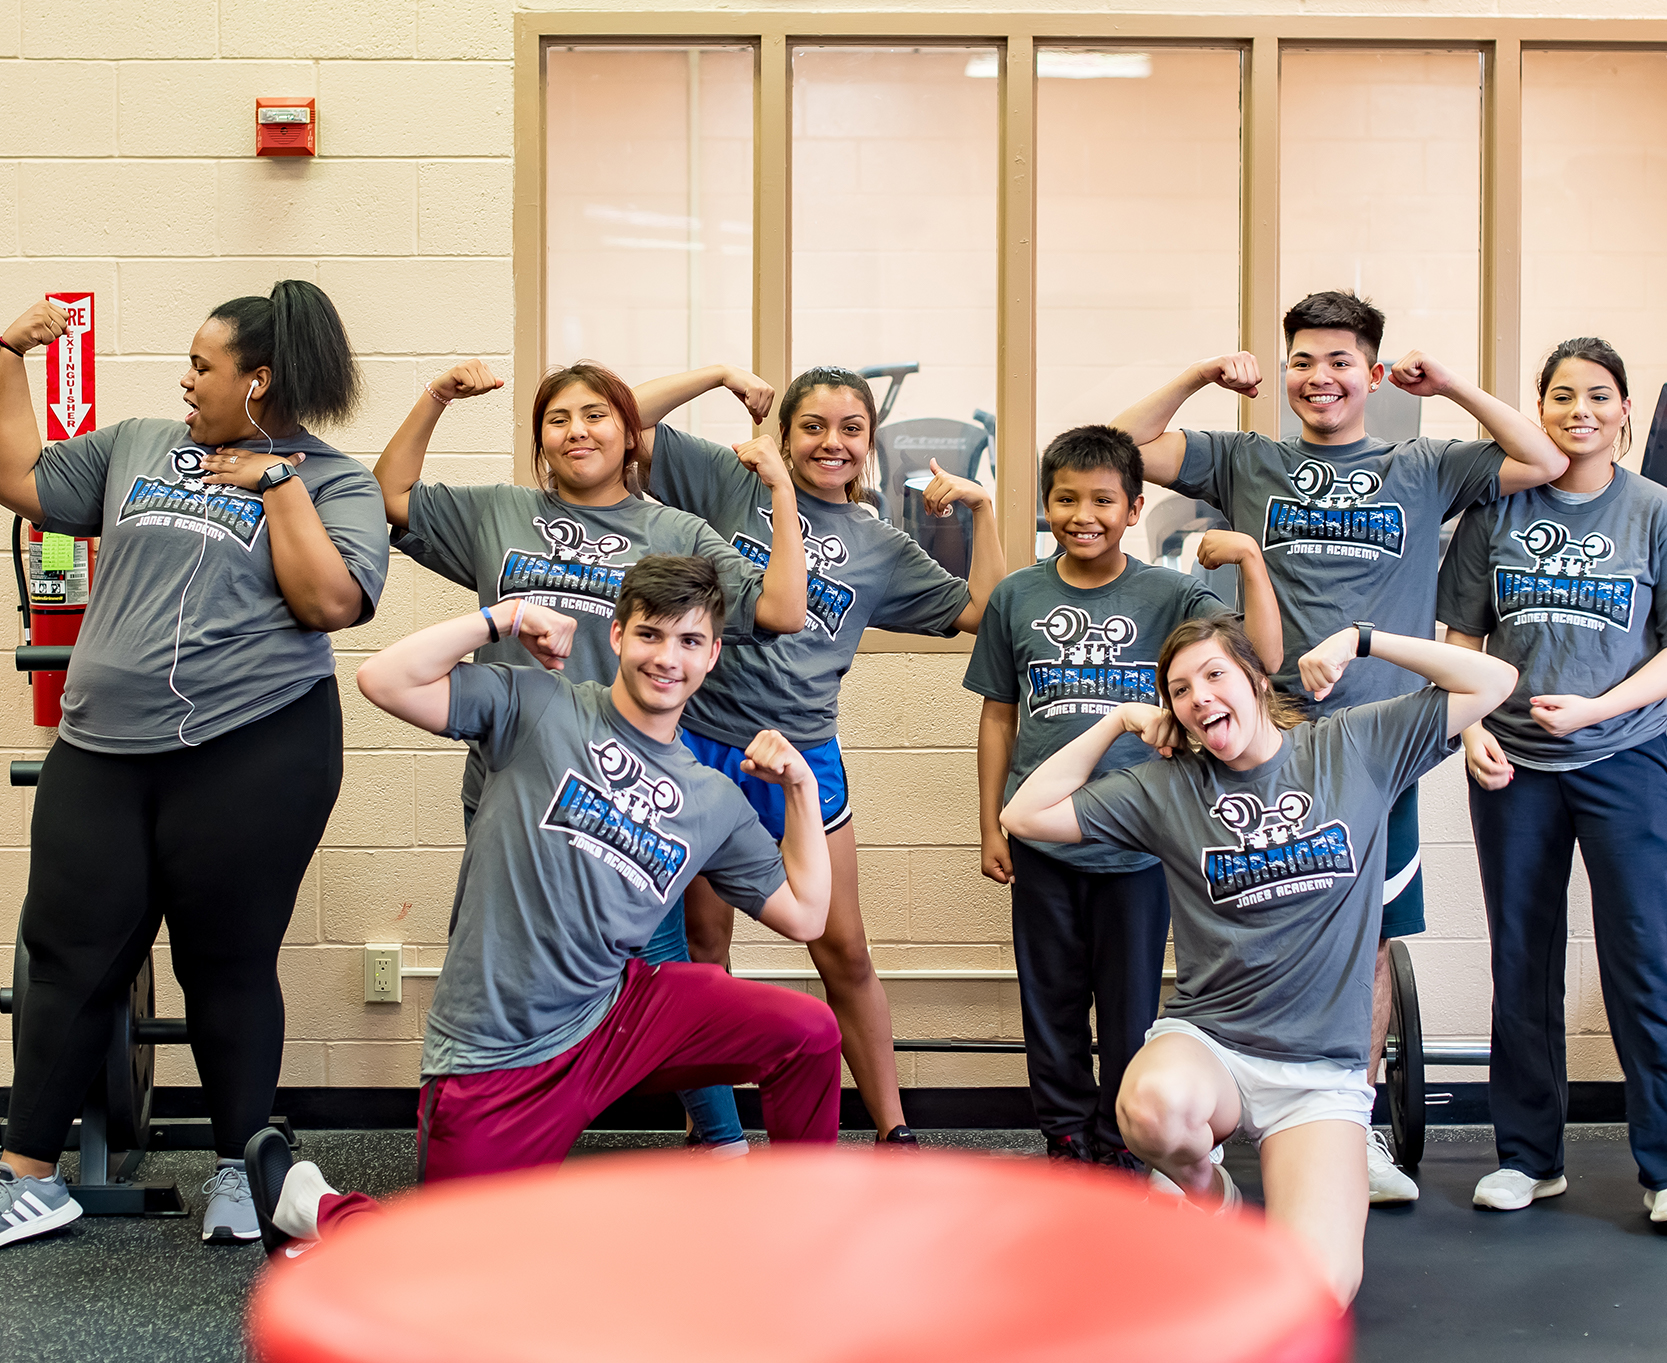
(1568, 583)
(200, 752)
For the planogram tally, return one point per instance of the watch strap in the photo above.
(277, 473)
(1364, 649)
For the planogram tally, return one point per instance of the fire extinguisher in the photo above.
(53, 585)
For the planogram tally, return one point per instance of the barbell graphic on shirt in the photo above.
(567, 541)
(1318, 484)
(1259, 827)
(629, 787)
(1080, 639)
(821, 551)
(188, 463)
(1555, 552)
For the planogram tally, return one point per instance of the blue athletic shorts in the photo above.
(1403, 887)
(825, 762)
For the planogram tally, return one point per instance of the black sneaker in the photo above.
(266, 1160)
(1115, 1155)
(899, 1135)
(1071, 1148)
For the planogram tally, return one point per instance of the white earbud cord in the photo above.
(179, 624)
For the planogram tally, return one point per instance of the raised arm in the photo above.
(411, 680)
(1530, 457)
(799, 909)
(1041, 808)
(20, 437)
(1261, 606)
(401, 464)
(1476, 684)
(782, 599)
(1147, 422)
(989, 560)
(658, 398)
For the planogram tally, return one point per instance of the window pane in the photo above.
(1137, 235)
(894, 253)
(1594, 197)
(1380, 192)
(649, 210)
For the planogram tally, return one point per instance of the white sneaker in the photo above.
(1656, 1204)
(1509, 1190)
(1385, 1181)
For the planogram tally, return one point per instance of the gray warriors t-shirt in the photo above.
(862, 572)
(1349, 532)
(1572, 596)
(587, 830)
(1068, 655)
(1276, 873)
(502, 541)
(241, 654)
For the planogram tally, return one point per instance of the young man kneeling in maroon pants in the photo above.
(594, 818)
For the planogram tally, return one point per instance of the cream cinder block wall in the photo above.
(132, 176)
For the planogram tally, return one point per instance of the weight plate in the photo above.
(1405, 1070)
(129, 1067)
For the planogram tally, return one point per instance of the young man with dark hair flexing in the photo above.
(1350, 528)
(593, 817)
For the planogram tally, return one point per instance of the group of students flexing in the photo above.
(651, 716)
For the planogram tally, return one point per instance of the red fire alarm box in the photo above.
(286, 127)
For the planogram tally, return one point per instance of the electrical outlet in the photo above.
(382, 962)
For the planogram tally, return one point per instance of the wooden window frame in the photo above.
(772, 37)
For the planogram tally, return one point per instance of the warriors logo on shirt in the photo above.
(1090, 676)
(572, 573)
(1276, 857)
(826, 599)
(220, 511)
(1335, 517)
(617, 819)
(1561, 587)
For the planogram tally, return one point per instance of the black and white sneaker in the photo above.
(33, 1206)
(898, 1137)
(266, 1160)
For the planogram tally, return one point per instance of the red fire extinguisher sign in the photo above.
(69, 370)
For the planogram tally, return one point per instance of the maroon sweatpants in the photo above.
(674, 1026)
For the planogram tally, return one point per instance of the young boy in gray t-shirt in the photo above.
(593, 817)
(1062, 643)
(1350, 526)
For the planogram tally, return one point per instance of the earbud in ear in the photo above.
(253, 386)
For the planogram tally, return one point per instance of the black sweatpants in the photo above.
(1081, 938)
(1525, 839)
(215, 840)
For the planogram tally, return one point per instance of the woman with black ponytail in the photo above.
(199, 755)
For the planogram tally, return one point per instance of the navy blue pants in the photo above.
(1081, 938)
(1525, 837)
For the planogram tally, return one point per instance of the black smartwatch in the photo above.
(275, 474)
(1364, 649)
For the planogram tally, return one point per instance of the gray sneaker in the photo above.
(33, 1206)
(229, 1218)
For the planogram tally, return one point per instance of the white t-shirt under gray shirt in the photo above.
(1348, 532)
(242, 655)
(1276, 873)
(1067, 655)
(587, 830)
(1570, 593)
(862, 572)
(506, 542)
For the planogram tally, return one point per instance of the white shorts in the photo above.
(1275, 1095)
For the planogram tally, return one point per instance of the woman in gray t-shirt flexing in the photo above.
(1271, 832)
(862, 572)
(1568, 582)
(200, 752)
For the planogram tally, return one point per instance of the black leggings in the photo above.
(213, 839)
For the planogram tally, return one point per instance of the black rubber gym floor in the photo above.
(1577, 1277)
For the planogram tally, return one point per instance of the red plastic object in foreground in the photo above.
(798, 1254)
